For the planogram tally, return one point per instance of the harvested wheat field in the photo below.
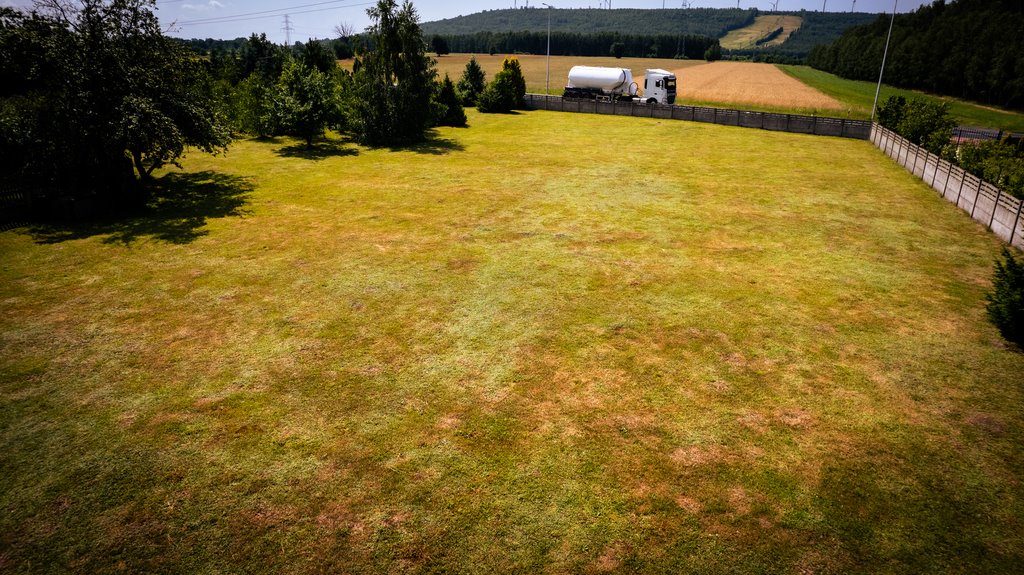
(748, 83)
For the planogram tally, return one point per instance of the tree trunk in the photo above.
(144, 174)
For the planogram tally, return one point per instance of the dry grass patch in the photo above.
(748, 83)
(765, 354)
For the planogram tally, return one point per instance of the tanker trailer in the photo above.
(607, 84)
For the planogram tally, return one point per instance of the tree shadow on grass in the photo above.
(434, 145)
(318, 151)
(177, 210)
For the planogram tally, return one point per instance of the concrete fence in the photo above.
(818, 125)
(986, 203)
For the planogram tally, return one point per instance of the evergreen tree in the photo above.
(472, 83)
(394, 81)
(518, 81)
(439, 45)
(1006, 302)
(314, 54)
(450, 112)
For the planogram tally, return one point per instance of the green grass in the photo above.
(518, 348)
(861, 95)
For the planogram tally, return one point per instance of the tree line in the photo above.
(578, 44)
(94, 100)
(971, 49)
(711, 22)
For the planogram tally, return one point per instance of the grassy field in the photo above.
(547, 343)
(860, 96)
(750, 85)
(745, 38)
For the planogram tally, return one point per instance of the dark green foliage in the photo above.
(309, 101)
(771, 36)
(97, 97)
(713, 53)
(439, 45)
(971, 49)
(314, 54)
(924, 122)
(393, 81)
(1000, 162)
(515, 72)
(617, 49)
(507, 92)
(472, 83)
(342, 49)
(695, 21)
(449, 108)
(890, 112)
(581, 44)
(262, 56)
(1006, 300)
(257, 106)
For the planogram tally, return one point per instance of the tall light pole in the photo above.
(547, 76)
(885, 54)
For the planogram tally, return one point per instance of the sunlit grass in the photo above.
(545, 343)
(861, 95)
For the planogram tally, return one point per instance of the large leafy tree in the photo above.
(99, 98)
(310, 100)
(394, 81)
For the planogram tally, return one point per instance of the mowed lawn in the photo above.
(546, 343)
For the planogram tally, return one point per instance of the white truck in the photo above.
(607, 84)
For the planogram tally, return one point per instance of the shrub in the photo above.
(507, 92)
(472, 83)
(1006, 302)
(713, 53)
(449, 108)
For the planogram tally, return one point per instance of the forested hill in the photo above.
(697, 21)
(817, 27)
(971, 49)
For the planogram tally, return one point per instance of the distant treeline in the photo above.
(817, 28)
(972, 49)
(694, 21)
(575, 44)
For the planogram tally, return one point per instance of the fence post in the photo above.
(995, 206)
(963, 178)
(976, 196)
(1016, 220)
(945, 185)
(814, 130)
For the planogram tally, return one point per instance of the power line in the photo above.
(271, 13)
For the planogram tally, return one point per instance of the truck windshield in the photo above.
(670, 84)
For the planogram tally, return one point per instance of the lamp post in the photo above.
(885, 54)
(547, 76)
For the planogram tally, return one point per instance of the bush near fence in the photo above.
(795, 123)
(986, 203)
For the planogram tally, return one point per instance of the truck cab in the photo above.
(659, 87)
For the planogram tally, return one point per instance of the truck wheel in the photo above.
(651, 101)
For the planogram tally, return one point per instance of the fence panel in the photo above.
(818, 125)
(984, 202)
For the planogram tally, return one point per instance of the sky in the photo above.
(317, 18)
